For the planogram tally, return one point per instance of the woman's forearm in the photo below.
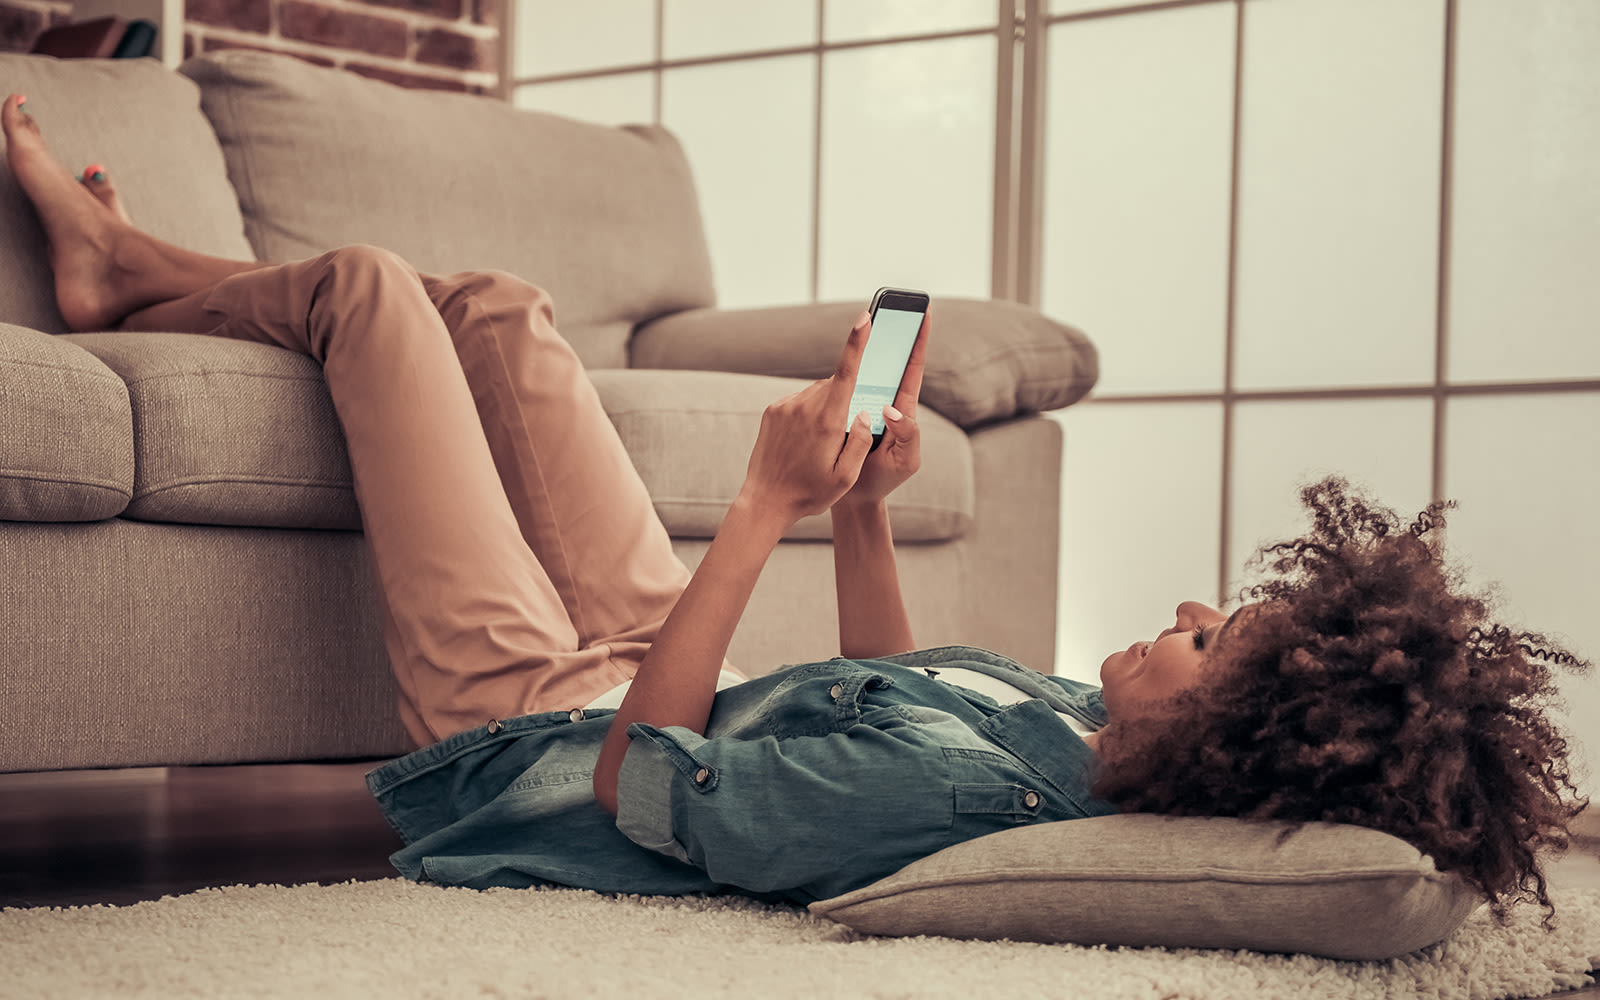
(872, 613)
(797, 468)
(677, 679)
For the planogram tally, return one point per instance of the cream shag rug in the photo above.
(393, 938)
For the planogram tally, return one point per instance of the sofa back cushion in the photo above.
(143, 123)
(606, 219)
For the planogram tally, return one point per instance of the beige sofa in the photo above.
(182, 575)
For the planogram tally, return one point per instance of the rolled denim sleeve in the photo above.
(809, 816)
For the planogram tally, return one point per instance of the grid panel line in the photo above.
(656, 81)
(1229, 342)
(1002, 261)
(750, 55)
(1140, 8)
(1448, 390)
(816, 162)
(1441, 309)
(1027, 240)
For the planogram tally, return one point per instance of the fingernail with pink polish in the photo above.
(863, 320)
(892, 413)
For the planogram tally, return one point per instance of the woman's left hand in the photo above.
(899, 455)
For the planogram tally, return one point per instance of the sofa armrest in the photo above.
(987, 360)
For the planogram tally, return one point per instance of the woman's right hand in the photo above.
(899, 455)
(798, 467)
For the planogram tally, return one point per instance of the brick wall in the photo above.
(438, 44)
(21, 21)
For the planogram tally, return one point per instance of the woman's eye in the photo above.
(1200, 637)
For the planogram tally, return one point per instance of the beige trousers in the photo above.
(520, 563)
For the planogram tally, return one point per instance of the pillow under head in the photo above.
(1338, 891)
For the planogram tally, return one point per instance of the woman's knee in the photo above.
(350, 283)
(359, 273)
(494, 290)
(362, 260)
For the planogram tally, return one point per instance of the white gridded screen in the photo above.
(1141, 504)
(1136, 175)
(1526, 470)
(908, 169)
(1525, 223)
(607, 100)
(555, 36)
(691, 28)
(1383, 444)
(1338, 227)
(849, 20)
(1338, 212)
(749, 130)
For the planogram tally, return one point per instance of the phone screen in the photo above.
(894, 333)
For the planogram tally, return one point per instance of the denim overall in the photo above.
(810, 781)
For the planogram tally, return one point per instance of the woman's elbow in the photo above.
(605, 792)
(607, 769)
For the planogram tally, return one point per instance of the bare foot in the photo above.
(83, 232)
(95, 181)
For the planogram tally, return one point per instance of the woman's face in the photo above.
(1147, 673)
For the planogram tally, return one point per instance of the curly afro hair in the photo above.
(1368, 687)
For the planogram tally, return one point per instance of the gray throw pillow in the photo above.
(1136, 880)
(987, 360)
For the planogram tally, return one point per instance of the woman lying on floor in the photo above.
(564, 673)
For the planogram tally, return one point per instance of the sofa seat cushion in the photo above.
(605, 219)
(229, 432)
(141, 121)
(66, 431)
(689, 434)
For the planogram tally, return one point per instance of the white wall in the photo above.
(1336, 283)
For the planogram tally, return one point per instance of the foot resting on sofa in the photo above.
(82, 221)
(105, 269)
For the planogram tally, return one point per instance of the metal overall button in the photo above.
(702, 776)
(836, 692)
(576, 715)
(495, 726)
(1031, 800)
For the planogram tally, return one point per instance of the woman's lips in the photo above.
(1136, 657)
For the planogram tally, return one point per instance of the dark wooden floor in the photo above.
(72, 838)
(80, 837)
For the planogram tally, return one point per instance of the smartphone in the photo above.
(896, 317)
